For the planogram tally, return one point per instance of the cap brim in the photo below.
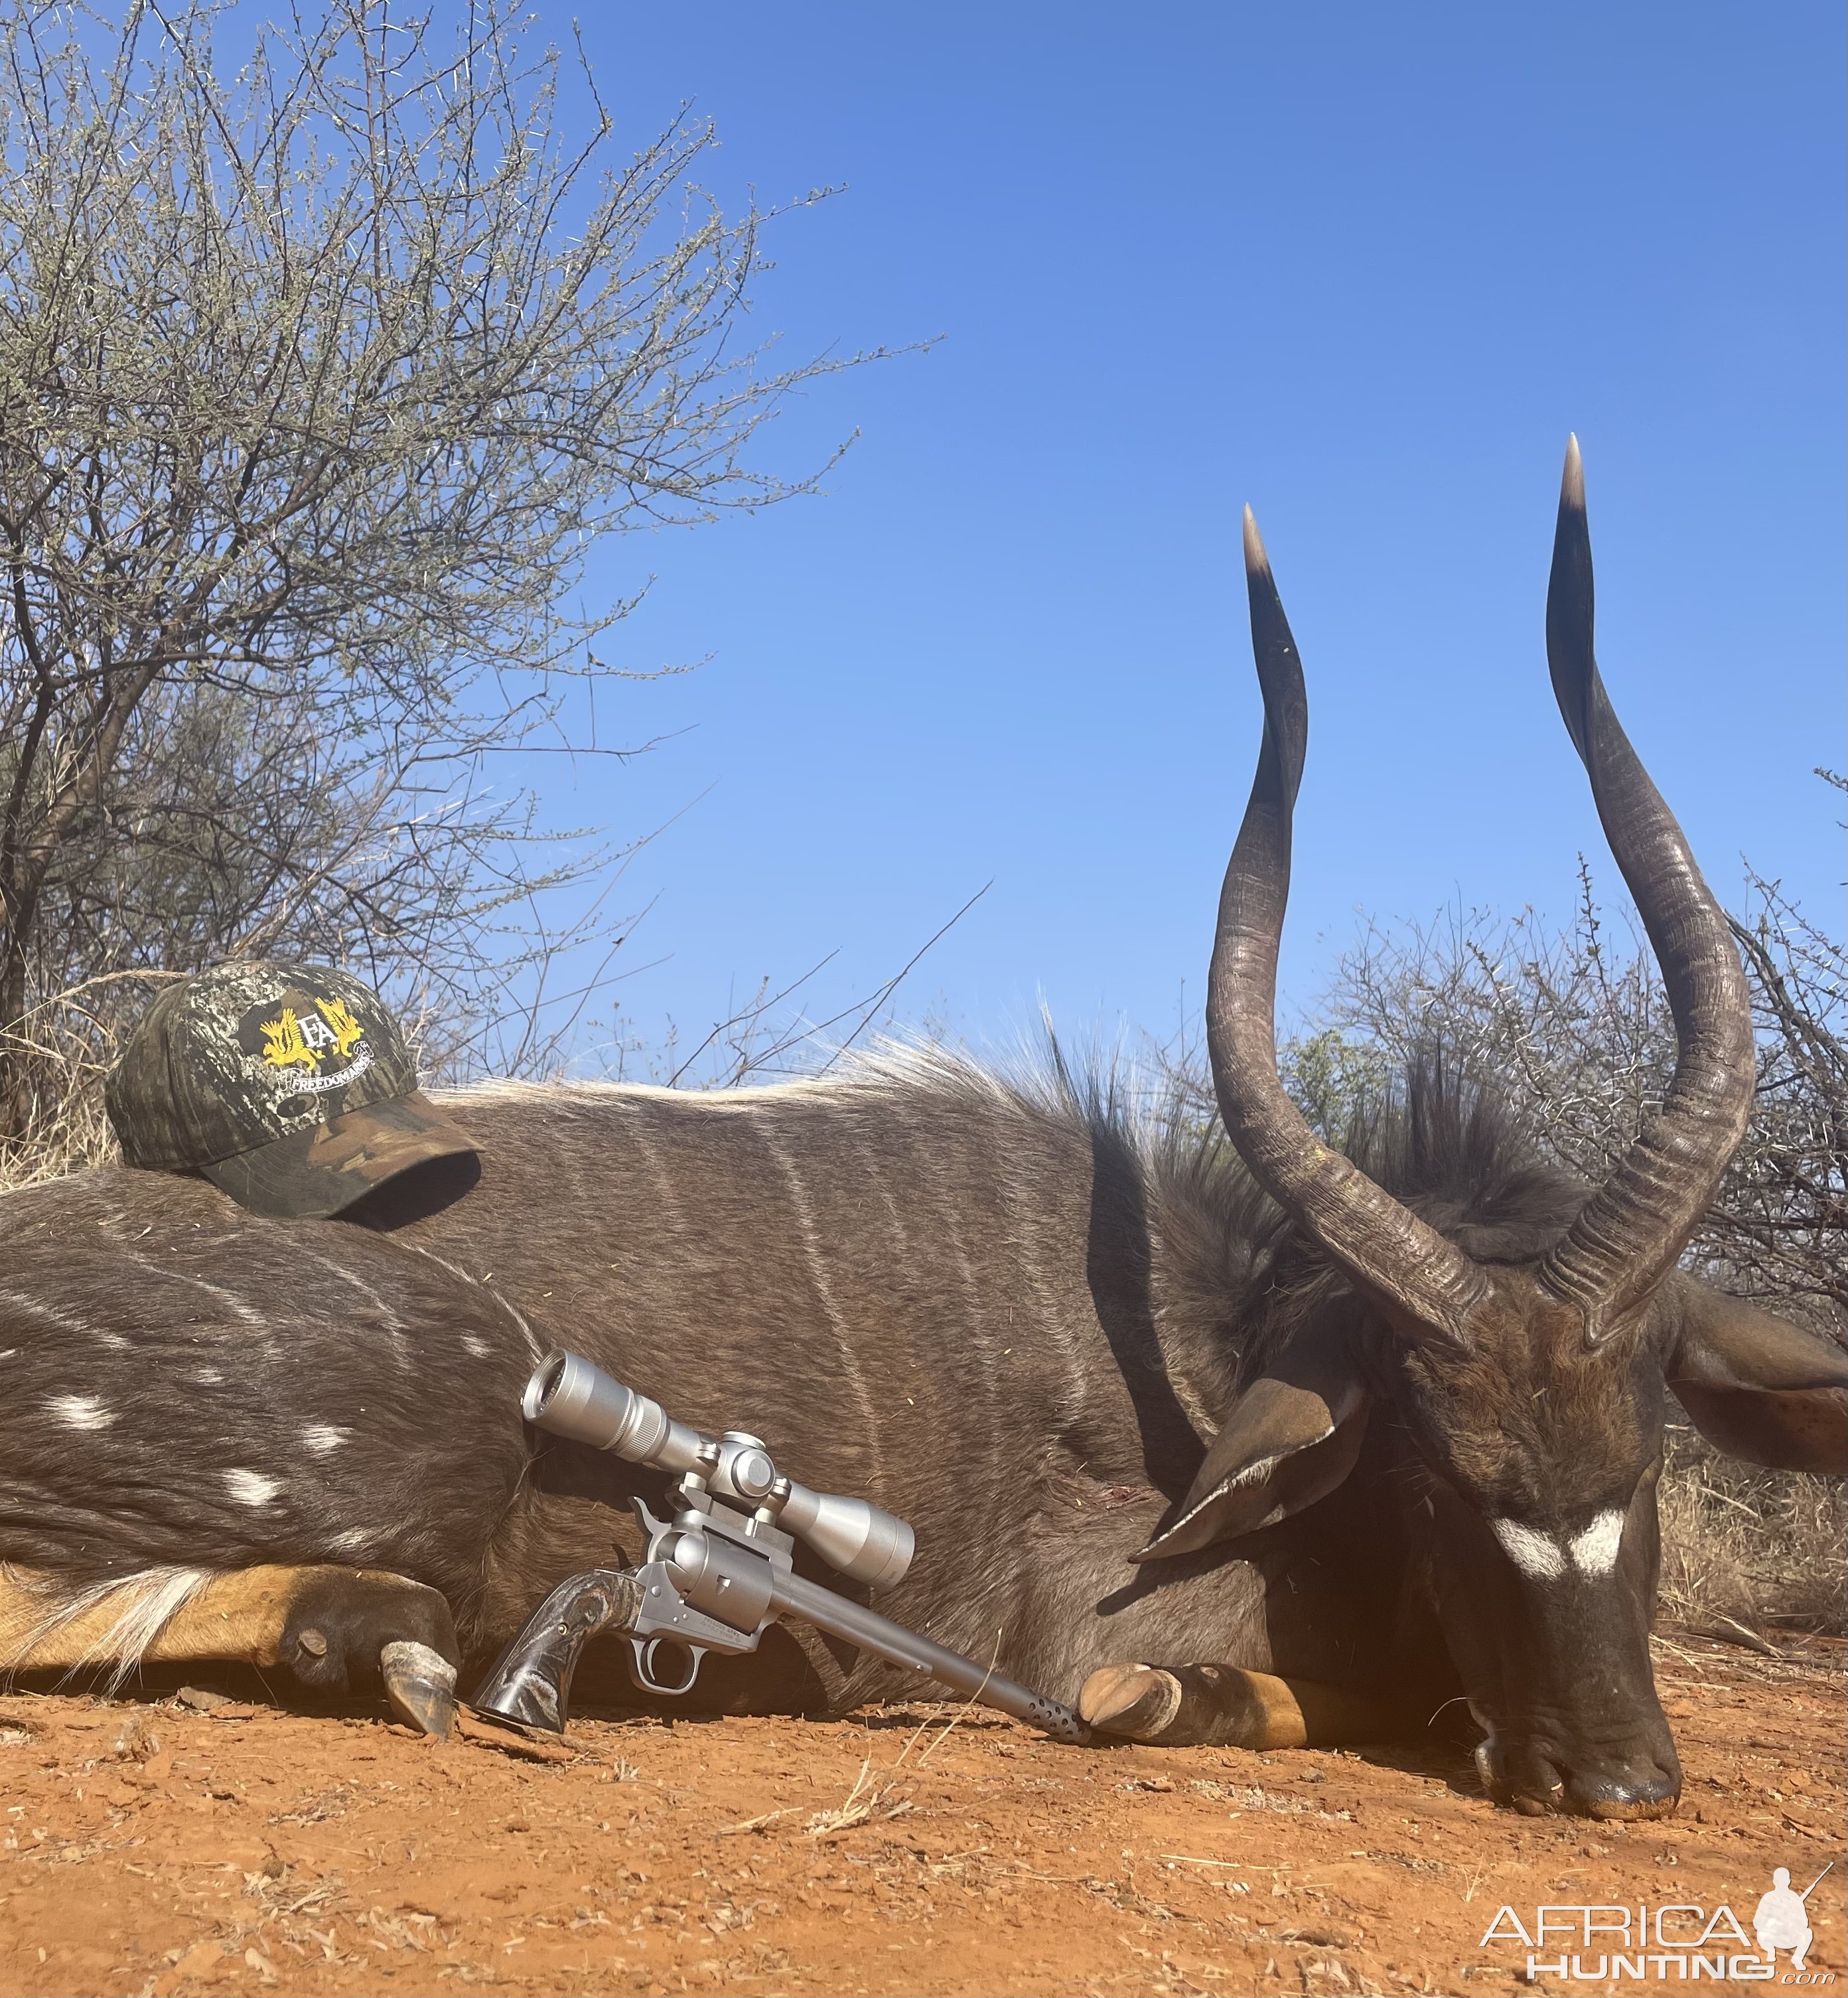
(313, 1174)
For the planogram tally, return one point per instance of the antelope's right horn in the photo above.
(1628, 1235)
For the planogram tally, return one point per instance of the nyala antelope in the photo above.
(1257, 1443)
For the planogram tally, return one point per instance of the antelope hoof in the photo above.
(1139, 1702)
(420, 1684)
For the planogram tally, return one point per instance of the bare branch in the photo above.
(318, 383)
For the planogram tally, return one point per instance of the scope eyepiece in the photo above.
(569, 1397)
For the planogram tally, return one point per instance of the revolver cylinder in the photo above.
(719, 1580)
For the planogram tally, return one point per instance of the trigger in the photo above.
(646, 1656)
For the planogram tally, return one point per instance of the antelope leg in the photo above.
(1214, 1704)
(328, 1625)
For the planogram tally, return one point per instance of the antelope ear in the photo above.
(1292, 1437)
(1758, 1387)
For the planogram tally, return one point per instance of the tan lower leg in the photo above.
(251, 1615)
(328, 1627)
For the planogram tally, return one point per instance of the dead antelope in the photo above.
(1260, 1444)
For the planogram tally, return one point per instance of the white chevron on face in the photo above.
(1541, 1555)
(1595, 1550)
(1532, 1552)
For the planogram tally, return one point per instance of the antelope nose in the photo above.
(1652, 1791)
(1517, 1774)
(1538, 1780)
(1645, 1785)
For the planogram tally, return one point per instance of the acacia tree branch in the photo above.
(319, 380)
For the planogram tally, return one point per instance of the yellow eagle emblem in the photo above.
(283, 1046)
(345, 1030)
(302, 1041)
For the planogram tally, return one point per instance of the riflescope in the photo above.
(568, 1396)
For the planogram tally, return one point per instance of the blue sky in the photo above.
(1363, 268)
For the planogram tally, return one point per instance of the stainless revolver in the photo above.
(719, 1573)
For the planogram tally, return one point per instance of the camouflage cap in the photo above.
(289, 1085)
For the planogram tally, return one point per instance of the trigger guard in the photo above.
(641, 1666)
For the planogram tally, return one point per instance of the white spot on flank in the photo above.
(1532, 1552)
(1595, 1550)
(323, 1438)
(479, 1347)
(355, 1542)
(251, 1487)
(208, 1377)
(81, 1411)
(58, 1321)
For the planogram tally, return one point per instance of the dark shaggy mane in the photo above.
(1447, 1145)
(1240, 1273)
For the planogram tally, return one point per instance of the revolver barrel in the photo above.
(796, 1596)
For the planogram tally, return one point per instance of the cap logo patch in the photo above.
(306, 1040)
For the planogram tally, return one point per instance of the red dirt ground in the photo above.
(159, 1849)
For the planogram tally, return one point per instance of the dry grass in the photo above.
(66, 1046)
(872, 1795)
(1744, 1550)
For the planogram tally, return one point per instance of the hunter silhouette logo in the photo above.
(1782, 1919)
(305, 1040)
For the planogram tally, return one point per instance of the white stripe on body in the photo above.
(58, 1321)
(811, 1246)
(232, 1302)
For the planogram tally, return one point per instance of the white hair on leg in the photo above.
(149, 1601)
